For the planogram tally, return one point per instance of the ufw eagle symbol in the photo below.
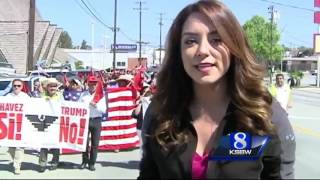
(41, 123)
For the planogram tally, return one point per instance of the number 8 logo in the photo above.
(240, 142)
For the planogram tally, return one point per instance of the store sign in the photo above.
(316, 43)
(124, 47)
(316, 3)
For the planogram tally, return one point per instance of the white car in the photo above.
(6, 68)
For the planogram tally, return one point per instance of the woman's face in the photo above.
(206, 59)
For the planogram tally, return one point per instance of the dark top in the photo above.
(138, 117)
(177, 163)
(287, 138)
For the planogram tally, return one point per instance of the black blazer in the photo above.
(177, 164)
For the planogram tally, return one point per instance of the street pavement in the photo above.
(305, 120)
(304, 117)
(110, 165)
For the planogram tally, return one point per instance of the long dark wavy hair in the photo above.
(244, 79)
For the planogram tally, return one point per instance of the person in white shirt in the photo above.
(282, 92)
(17, 152)
(89, 157)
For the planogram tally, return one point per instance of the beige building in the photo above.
(14, 35)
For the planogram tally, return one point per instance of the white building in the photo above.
(100, 58)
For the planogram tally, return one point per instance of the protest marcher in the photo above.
(209, 86)
(17, 153)
(291, 82)
(141, 107)
(89, 157)
(36, 90)
(73, 91)
(282, 92)
(142, 104)
(50, 93)
(125, 80)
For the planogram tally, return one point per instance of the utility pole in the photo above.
(160, 48)
(270, 64)
(114, 35)
(31, 35)
(92, 44)
(140, 13)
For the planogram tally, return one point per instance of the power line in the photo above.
(288, 5)
(94, 15)
(85, 10)
(290, 43)
(92, 7)
(90, 13)
(126, 36)
(296, 39)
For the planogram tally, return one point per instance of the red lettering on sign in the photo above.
(64, 129)
(7, 130)
(73, 132)
(81, 130)
(19, 125)
(68, 111)
(3, 127)
(11, 125)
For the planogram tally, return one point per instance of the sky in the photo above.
(295, 24)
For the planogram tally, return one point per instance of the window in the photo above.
(4, 84)
(122, 64)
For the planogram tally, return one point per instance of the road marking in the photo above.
(305, 130)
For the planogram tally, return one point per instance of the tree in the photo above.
(65, 40)
(285, 48)
(258, 31)
(79, 65)
(84, 45)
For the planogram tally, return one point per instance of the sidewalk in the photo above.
(310, 89)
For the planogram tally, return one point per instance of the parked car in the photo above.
(6, 68)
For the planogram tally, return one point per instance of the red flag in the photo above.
(80, 75)
(139, 78)
(138, 81)
(99, 91)
(65, 80)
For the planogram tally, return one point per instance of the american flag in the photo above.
(71, 95)
(119, 131)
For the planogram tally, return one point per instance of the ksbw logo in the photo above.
(240, 146)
